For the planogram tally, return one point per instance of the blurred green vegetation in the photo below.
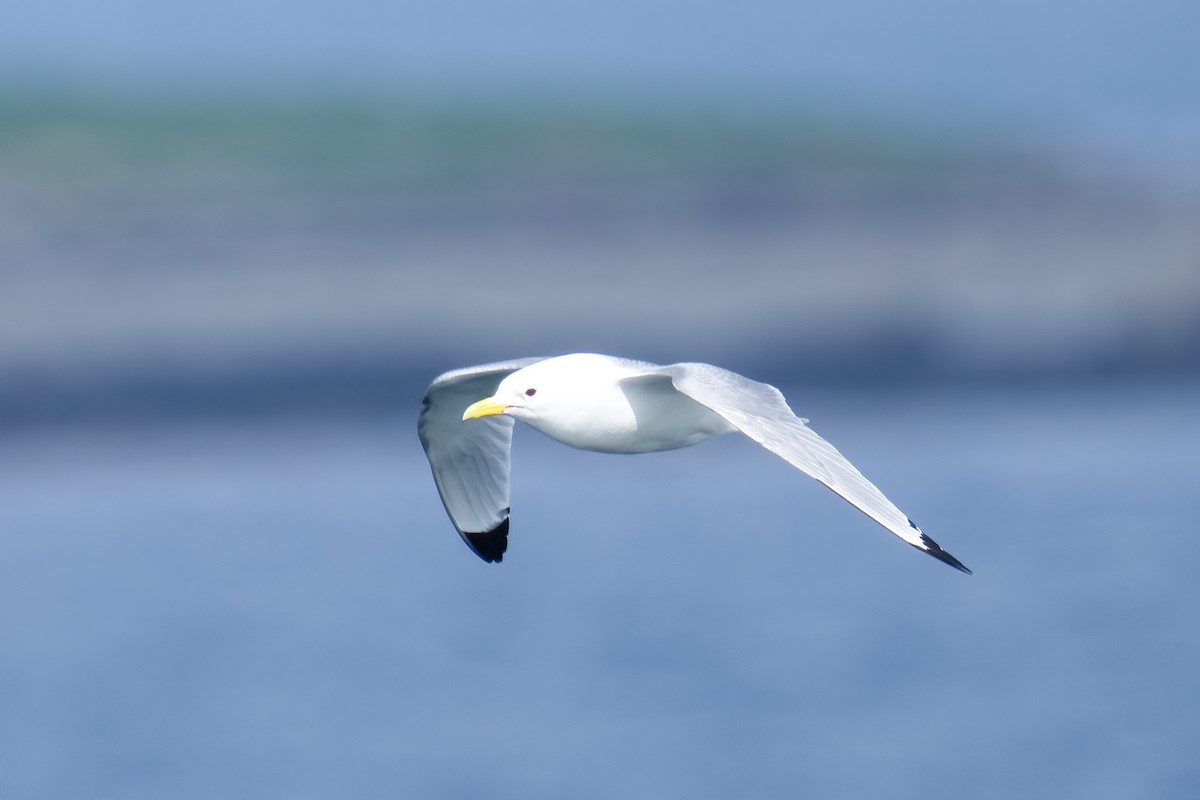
(95, 147)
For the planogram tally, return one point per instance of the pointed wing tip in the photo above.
(934, 549)
(489, 545)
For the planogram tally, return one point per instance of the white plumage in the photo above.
(615, 405)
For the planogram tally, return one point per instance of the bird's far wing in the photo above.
(470, 460)
(761, 413)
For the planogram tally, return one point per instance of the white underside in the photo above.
(646, 415)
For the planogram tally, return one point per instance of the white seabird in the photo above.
(615, 405)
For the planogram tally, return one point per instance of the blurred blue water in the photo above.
(281, 609)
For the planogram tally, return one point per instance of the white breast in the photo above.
(638, 415)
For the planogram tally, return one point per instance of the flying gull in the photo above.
(615, 405)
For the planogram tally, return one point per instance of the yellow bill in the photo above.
(484, 408)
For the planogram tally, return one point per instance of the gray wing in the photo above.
(761, 413)
(470, 462)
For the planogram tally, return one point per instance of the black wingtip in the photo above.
(935, 550)
(489, 545)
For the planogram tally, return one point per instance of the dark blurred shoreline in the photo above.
(373, 387)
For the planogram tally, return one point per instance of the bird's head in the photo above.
(557, 389)
(507, 400)
(525, 394)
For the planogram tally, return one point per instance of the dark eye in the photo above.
(530, 392)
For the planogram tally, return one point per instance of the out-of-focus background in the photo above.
(237, 240)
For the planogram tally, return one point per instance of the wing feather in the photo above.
(760, 412)
(471, 462)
